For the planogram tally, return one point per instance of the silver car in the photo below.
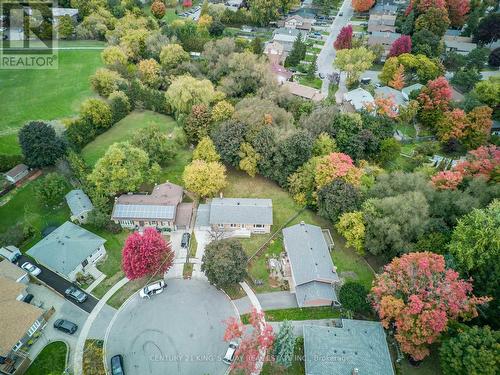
(31, 269)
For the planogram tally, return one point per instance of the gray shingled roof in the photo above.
(203, 215)
(241, 211)
(78, 202)
(314, 290)
(337, 351)
(66, 247)
(308, 253)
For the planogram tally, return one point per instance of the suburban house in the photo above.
(275, 52)
(387, 7)
(233, 5)
(382, 23)
(244, 215)
(385, 39)
(286, 37)
(162, 209)
(20, 322)
(69, 250)
(17, 173)
(79, 204)
(305, 92)
(281, 73)
(357, 99)
(313, 276)
(351, 348)
(459, 44)
(296, 22)
(388, 92)
(406, 91)
(57, 13)
(13, 272)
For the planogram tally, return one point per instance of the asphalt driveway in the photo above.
(59, 284)
(179, 331)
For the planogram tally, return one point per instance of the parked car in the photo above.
(341, 14)
(31, 269)
(28, 298)
(10, 253)
(65, 326)
(76, 294)
(152, 289)
(365, 80)
(117, 365)
(185, 240)
(231, 350)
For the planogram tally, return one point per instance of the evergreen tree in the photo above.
(284, 345)
(298, 52)
(313, 67)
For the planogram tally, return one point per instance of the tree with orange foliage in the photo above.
(478, 127)
(362, 5)
(398, 80)
(451, 125)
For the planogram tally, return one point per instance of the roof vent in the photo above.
(355, 371)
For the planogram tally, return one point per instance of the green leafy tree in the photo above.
(50, 190)
(224, 262)
(354, 62)
(284, 345)
(249, 159)
(222, 111)
(478, 58)
(466, 79)
(298, 52)
(115, 58)
(97, 113)
(352, 226)
(204, 179)
(65, 27)
(389, 150)
(313, 67)
(40, 145)
(156, 143)
(337, 198)
(105, 81)
(119, 105)
(434, 20)
(198, 123)
(473, 351)
(186, 91)
(123, 168)
(354, 297)
(228, 138)
(488, 91)
(172, 55)
(205, 150)
(324, 145)
(264, 11)
(257, 46)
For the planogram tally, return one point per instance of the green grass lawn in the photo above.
(123, 131)
(349, 264)
(44, 94)
(51, 360)
(21, 207)
(193, 244)
(126, 291)
(406, 129)
(308, 313)
(314, 82)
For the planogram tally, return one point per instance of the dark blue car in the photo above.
(117, 365)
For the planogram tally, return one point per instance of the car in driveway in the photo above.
(31, 269)
(185, 240)
(65, 326)
(231, 350)
(117, 365)
(76, 294)
(152, 289)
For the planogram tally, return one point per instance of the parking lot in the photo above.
(179, 331)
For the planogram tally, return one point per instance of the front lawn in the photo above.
(297, 313)
(22, 207)
(123, 131)
(33, 94)
(349, 264)
(126, 291)
(313, 82)
(51, 360)
(93, 357)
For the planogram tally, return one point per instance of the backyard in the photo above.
(45, 94)
(51, 360)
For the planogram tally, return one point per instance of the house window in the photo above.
(221, 225)
(234, 225)
(258, 225)
(17, 346)
(85, 262)
(33, 328)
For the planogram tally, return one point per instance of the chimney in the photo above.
(302, 223)
(355, 371)
(221, 195)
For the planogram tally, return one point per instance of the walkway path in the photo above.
(78, 357)
(268, 301)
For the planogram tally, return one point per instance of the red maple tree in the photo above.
(187, 3)
(400, 46)
(362, 5)
(436, 94)
(447, 180)
(146, 254)
(344, 39)
(252, 347)
(457, 11)
(483, 162)
(424, 5)
(418, 296)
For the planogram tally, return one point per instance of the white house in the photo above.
(79, 204)
(17, 173)
(69, 250)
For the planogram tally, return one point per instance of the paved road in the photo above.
(59, 284)
(179, 331)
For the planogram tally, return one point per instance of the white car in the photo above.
(32, 270)
(231, 350)
(152, 289)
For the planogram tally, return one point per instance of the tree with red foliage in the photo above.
(187, 3)
(434, 99)
(424, 5)
(457, 11)
(483, 162)
(252, 349)
(158, 9)
(400, 46)
(398, 80)
(447, 180)
(418, 296)
(452, 125)
(362, 5)
(344, 39)
(146, 254)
